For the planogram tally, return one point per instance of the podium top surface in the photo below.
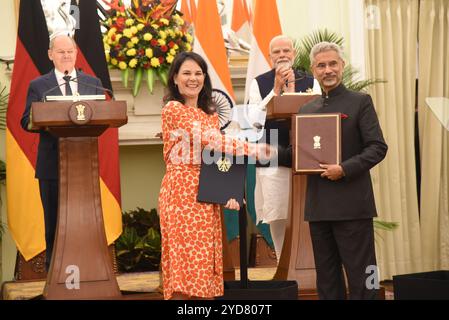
(76, 97)
(67, 113)
(440, 108)
(287, 104)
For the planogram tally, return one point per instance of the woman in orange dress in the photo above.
(192, 265)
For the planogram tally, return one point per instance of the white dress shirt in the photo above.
(61, 81)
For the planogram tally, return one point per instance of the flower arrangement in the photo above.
(144, 36)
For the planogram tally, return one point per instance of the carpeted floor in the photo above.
(145, 282)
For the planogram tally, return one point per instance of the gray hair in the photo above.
(280, 37)
(59, 35)
(324, 47)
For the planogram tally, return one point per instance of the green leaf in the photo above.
(304, 46)
(137, 81)
(150, 80)
(163, 75)
(385, 225)
(125, 76)
(3, 107)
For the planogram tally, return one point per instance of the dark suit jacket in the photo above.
(363, 146)
(47, 155)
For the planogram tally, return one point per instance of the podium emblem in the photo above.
(80, 109)
(316, 142)
(80, 112)
(224, 164)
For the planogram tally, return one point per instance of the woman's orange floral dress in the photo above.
(191, 231)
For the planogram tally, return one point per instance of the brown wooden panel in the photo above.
(56, 113)
(282, 107)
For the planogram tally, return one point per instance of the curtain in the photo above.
(391, 55)
(434, 139)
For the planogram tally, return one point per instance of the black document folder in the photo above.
(222, 178)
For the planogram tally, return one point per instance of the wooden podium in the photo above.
(81, 267)
(296, 261)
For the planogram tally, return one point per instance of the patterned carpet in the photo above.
(145, 282)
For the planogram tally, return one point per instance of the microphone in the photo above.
(302, 76)
(44, 95)
(93, 86)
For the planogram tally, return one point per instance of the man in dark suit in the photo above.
(64, 79)
(273, 180)
(340, 202)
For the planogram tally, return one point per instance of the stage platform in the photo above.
(143, 285)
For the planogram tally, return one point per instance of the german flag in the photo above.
(25, 213)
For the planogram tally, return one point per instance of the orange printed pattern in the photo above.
(192, 258)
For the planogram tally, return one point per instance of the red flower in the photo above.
(164, 48)
(154, 42)
(161, 60)
(120, 22)
(344, 116)
(141, 52)
(171, 44)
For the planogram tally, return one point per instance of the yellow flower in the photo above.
(147, 36)
(176, 47)
(134, 40)
(155, 26)
(171, 33)
(108, 57)
(162, 34)
(122, 65)
(155, 62)
(189, 38)
(105, 38)
(188, 47)
(127, 33)
(173, 52)
(114, 61)
(111, 31)
(178, 20)
(161, 42)
(140, 26)
(134, 30)
(164, 21)
(133, 63)
(118, 37)
(107, 47)
(129, 22)
(149, 52)
(170, 58)
(129, 44)
(131, 52)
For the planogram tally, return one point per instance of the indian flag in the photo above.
(266, 25)
(209, 43)
(241, 23)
